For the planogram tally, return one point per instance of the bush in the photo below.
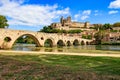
(87, 36)
(49, 29)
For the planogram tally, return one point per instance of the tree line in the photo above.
(3, 22)
(49, 29)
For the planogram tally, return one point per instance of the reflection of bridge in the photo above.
(39, 38)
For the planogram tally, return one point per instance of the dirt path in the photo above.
(7, 52)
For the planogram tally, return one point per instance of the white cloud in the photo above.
(115, 4)
(19, 13)
(84, 15)
(76, 16)
(113, 12)
(86, 12)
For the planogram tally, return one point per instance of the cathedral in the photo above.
(67, 24)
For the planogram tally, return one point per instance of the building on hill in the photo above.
(114, 37)
(67, 24)
(116, 28)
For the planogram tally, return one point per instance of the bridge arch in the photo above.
(60, 43)
(68, 43)
(76, 42)
(49, 42)
(7, 39)
(87, 43)
(35, 39)
(82, 42)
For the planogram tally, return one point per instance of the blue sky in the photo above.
(34, 14)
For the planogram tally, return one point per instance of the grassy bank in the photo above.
(58, 67)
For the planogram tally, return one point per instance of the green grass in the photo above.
(58, 67)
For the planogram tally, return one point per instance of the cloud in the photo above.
(76, 16)
(19, 13)
(86, 12)
(83, 15)
(96, 12)
(115, 4)
(113, 12)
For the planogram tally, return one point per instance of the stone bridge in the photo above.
(39, 38)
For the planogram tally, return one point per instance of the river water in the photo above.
(31, 47)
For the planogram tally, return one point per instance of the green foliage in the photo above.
(113, 30)
(87, 36)
(46, 29)
(110, 43)
(25, 39)
(99, 36)
(48, 43)
(49, 29)
(20, 40)
(97, 26)
(74, 31)
(106, 26)
(84, 36)
(59, 67)
(3, 22)
(117, 24)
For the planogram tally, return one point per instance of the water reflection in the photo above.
(108, 47)
(48, 50)
(60, 50)
(26, 47)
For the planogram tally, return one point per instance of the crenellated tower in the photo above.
(69, 19)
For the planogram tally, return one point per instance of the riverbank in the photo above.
(96, 53)
(17, 65)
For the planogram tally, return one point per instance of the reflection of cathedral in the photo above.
(67, 24)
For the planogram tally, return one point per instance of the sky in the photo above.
(33, 15)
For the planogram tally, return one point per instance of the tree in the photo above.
(87, 36)
(74, 31)
(25, 39)
(107, 26)
(117, 24)
(99, 36)
(49, 29)
(3, 22)
(98, 26)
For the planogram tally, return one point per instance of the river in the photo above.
(31, 47)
